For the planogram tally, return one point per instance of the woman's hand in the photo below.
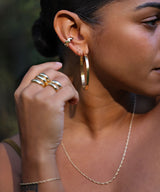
(40, 109)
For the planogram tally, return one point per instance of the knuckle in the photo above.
(68, 89)
(52, 107)
(64, 80)
(25, 95)
(38, 98)
(71, 91)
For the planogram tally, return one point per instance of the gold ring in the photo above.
(43, 79)
(38, 82)
(55, 87)
(44, 75)
(56, 83)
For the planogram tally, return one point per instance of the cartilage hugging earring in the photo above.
(84, 64)
(68, 41)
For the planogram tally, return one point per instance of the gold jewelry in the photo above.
(67, 42)
(121, 162)
(40, 182)
(55, 84)
(38, 82)
(41, 79)
(45, 76)
(84, 63)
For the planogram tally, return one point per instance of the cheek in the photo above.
(136, 46)
(128, 49)
(123, 52)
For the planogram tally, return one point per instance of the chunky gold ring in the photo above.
(55, 87)
(43, 79)
(44, 75)
(56, 83)
(38, 82)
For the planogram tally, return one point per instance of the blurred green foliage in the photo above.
(17, 54)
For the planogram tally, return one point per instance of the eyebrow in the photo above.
(148, 4)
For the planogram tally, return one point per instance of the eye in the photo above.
(151, 22)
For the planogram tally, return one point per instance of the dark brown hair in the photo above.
(44, 36)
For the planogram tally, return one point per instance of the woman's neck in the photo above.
(100, 111)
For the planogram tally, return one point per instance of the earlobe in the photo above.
(69, 25)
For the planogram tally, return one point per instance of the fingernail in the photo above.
(59, 64)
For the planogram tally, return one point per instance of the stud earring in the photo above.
(84, 64)
(67, 42)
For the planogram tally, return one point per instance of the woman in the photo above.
(110, 142)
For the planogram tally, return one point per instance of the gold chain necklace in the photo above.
(121, 162)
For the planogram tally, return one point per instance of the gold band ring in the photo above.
(38, 82)
(43, 79)
(44, 75)
(55, 87)
(56, 83)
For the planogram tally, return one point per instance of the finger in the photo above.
(50, 90)
(54, 75)
(61, 78)
(67, 94)
(36, 69)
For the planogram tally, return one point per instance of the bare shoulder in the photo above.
(6, 178)
(10, 166)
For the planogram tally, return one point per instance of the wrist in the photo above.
(39, 167)
(37, 152)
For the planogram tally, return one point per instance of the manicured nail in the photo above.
(59, 64)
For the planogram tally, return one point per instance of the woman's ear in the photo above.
(67, 24)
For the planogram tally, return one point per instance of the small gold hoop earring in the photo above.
(84, 63)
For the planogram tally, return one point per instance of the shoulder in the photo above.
(10, 166)
(6, 180)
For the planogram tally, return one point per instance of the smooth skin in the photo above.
(124, 54)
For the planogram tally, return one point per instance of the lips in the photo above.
(157, 68)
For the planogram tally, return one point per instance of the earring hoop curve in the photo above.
(67, 42)
(84, 63)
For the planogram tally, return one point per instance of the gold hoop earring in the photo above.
(84, 64)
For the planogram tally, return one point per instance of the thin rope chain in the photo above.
(122, 160)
